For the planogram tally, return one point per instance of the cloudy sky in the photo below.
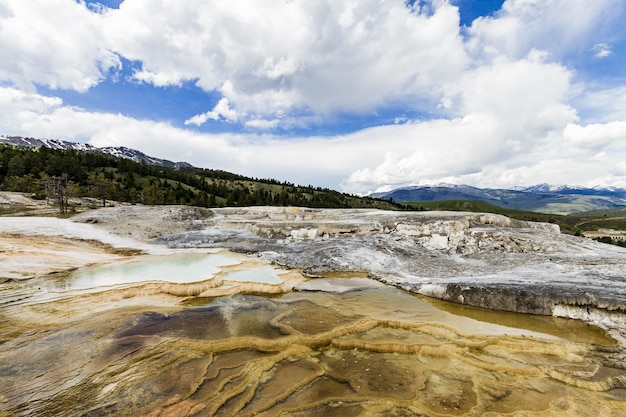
(355, 95)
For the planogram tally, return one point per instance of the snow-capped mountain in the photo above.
(569, 189)
(562, 199)
(47, 143)
(116, 151)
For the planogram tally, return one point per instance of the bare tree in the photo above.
(59, 188)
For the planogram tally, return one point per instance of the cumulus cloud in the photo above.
(527, 96)
(322, 56)
(500, 104)
(509, 108)
(266, 156)
(428, 150)
(462, 150)
(221, 111)
(595, 136)
(56, 43)
(558, 26)
(577, 154)
(522, 96)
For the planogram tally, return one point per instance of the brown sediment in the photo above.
(224, 359)
(204, 349)
(558, 326)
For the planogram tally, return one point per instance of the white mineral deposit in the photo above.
(266, 311)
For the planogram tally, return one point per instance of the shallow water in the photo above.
(262, 274)
(368, 350)
(179, 268)
(389, 303)
(572, 330)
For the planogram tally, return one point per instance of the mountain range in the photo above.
(116, 151)
(542, 198)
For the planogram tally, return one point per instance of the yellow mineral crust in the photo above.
(139, 361)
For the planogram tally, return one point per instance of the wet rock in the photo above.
(478, 259)
(331, 349)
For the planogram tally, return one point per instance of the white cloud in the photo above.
(506, 105)
(527, 96)
(507, 109)
(473, 151)
(595, 136)
(603, 104)
(619, 170)
(463, 150)
(221, 111)
(410, 153)
(601, 50)
(319, 161)
(322, 56)
(275, 70)
(558, 26)
(262, 124)
(56, 43)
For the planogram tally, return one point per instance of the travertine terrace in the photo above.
(328, 335)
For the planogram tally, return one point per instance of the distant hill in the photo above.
(572, 223)
(55, 170)
(116, 151)
(540, 198)
(610, 212)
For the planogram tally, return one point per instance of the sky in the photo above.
(354, 95)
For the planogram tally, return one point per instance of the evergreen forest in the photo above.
(61, 174)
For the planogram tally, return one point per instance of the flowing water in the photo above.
(343, 347)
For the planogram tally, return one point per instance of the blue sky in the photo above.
(175, 104)
(359, 95)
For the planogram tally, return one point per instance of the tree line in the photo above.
(59, 174)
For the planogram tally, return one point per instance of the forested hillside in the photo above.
(59, 174)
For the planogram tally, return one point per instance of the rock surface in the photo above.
(340, 344)
(483, 260)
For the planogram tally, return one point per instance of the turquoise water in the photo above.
(180, 268)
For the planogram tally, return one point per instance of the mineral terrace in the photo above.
(483, 260)
(341, 330)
